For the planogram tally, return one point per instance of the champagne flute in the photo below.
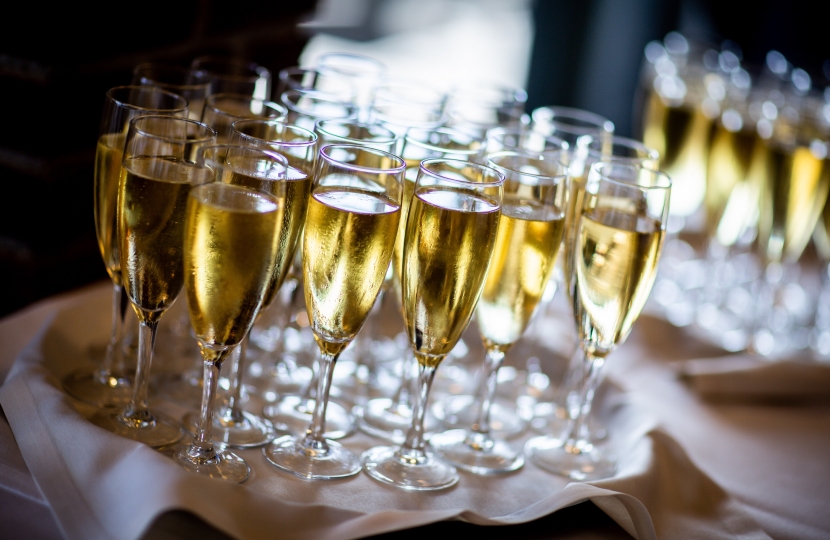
(156, 174)
(231, 249)
(290, 413)
(450, 235)
(222, 110)
(348, 241)
(589, 149)
(795, 181)
(530, 232)
(193, 85)
(326, 82)
(619, 238)
(390, 418)
(364, 72)
(232, 425)
(235, 76)
(306, 107)
(109, 385)
(360, 382)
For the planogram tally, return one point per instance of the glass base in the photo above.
(320, 461)
(161, 431)
(462, 411)
(251, 432)
(584, 463)
(293, 415)
(418, 472)
(84, 385)
(476, 453)
(385, 420)
(223, 464)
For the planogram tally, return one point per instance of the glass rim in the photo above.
(400, 168)
(208, 132)
(409, 138)
(312, 137)
(423, 168)
(145, 88)
(391, 137)
(210, 101)
(257, 71)
(380, 67)
(316, 96)
(627, 142)
(662, 181)
(173, 68)
(276, 156)
(537, 156)
(519, 94)
(597, 121)
(520, 130)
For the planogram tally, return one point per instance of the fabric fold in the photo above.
(101, 486)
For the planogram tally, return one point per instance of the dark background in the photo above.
(57, 63)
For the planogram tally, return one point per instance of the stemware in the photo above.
(291, 412)
(529, 235)
(232, 425)
(108, 385)
(570, 124)
(390, 418)
(222, 110)
(235, 76)
(795, 181)
(306, 107)
(475, 109)
(352, 132)
(364, 72)
(193, 85)
(233, 227)
(338, 86)
(157, 173)
(619, 238)
(450, 235)
(348, 240)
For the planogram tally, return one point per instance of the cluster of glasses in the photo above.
(747, 149)
(457, 204)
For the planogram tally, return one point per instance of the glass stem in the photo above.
(574, 441)
(403, 395)
(137, 414)
(487, 392)
(202, 449)
(111, 370)
(233, 413)
(413, 448)
(314, 439)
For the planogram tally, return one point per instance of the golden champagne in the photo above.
(681, 137)
(731, 197)
(615, 269)
(794, 193)
(230, 245)
(293, 191)
(152, 199)
(406, 200)
(347, 245)
(108, 157)
(449, 239)
(821, 235)
(528, 240)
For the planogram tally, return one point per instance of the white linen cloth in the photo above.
(102, 486)
(750, 377)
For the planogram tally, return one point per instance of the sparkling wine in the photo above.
(230, 246)
(450, 237)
